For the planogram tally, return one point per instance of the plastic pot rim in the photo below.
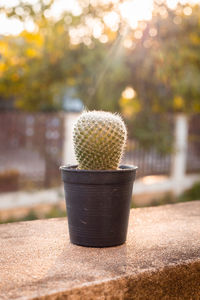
(122, 169)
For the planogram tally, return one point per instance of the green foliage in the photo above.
(162, 64)
(153, 131)
(99, 139)
(29, 217)
(168, 198)
(104, 75)
(192, 193)
(54, 212)
(35, 67)
(164, 70)
(165, 63)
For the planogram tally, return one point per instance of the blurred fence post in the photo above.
(179, 159)
(68, 149)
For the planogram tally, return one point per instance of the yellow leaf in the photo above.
(31, 52)
(178, 102)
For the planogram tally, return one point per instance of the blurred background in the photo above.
(140, 58)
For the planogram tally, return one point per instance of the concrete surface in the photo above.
(161, 259)
(144, 188)
(23, 199)
(163, 184)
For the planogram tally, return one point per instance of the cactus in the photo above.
(99, 139)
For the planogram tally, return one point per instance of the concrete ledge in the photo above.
(164, 184)
(30, 199)
(161, 259)
(150, 185)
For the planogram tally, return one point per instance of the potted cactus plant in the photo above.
(98, 191)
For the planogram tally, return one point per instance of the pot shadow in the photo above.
(77, 264)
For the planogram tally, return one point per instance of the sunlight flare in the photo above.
(128, 93)
(136, 10)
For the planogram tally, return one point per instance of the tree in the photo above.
(165, 63)
(36, 66)
(40, 64)
(165, 73)
(161, 63)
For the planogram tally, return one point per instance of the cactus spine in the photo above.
(99, 140)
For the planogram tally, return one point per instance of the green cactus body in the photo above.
(99, 140)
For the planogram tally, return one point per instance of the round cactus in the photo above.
(99, 140)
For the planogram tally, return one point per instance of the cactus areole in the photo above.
(99, 140)
(98, 190)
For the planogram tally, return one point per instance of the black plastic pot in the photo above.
(98, 204)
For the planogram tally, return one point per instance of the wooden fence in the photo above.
(30, 146)
(31, 151)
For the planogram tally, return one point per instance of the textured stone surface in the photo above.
(161, 259)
